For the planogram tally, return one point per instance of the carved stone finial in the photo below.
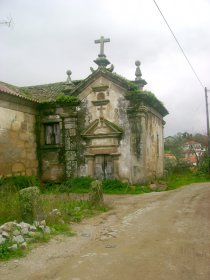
(139, 81)
(138, 71)
(92, 69)
(68, 81)
(111, 68)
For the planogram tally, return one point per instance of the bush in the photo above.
(78, 184)
(16, 183)
(7, 253)
(203, 167)
(113, 185)
(9, 207)
(172, 166)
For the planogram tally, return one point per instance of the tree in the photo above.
(176, 146)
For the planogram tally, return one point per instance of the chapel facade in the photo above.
(104, 126)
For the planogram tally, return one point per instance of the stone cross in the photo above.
(101, 41)
(101, 109)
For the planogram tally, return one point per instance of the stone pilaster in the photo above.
(70, 147)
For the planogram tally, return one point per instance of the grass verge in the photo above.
(185, 177)
(69, 208)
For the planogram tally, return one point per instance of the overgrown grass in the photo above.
(70, 198)
(9, 207)
(16, 183)
(81, 185)
(117, 187)
(6, 253)
(71, 208)
(185, 177)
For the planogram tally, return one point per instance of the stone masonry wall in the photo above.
(146, 144)
(17, 141)
(59, 160)
(154, 145)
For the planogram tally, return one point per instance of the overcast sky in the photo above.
(50, 36)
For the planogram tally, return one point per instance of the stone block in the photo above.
(153, 187)
(13, 247)
(18, 239)
(34, 171)
(5, 234)
(31, 156)
(8, 226)
(2, 239)
(30, 204)
(28, 172)
(16, 126)
(23, 245)
(47, 230)
(96, 193)
(20, 144)
(23, 154)
(16, 232)
(24, 231)
(24, 136)
(18, 167)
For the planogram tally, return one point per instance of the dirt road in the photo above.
(156, 236)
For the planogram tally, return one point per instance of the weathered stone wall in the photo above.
(59, 161)
(154, 145)
(146, 144)
(17, 139)
(138, 154)
(114, 109)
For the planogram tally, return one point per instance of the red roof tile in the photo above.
(4, 88)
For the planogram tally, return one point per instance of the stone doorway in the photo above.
(103, 167)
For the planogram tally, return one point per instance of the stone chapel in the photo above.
(103, 126)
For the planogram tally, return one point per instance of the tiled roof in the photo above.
(4, 88)
(48, 92)
(37, 93)
(15, 91)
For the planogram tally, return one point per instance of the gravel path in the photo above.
(155, 236)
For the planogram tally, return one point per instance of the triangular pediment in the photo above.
(101, 72)
(102, 128)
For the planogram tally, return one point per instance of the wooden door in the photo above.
(103, 167)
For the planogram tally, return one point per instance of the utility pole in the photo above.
(208, 131)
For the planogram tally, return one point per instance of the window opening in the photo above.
(52, 134)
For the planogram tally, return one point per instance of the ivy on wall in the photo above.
(140, 97)
(61, 100)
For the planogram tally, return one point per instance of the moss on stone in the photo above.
(30, 204)
(141, 97)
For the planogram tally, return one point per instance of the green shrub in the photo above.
(16, 183)
(9, 207)
(184, 177)
(7, 253)
(114, 185)
(76, 210)
(203, 167)
(78, 184)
